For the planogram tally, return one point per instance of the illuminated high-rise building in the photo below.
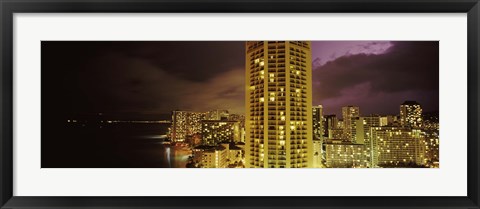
(217, 115)
(278, 104)
(185, 123)
(349, 114)
(397, 147)
(362, 134)
(431, 127)
(214, 158)
(345, 155)
(330, 122)
(216, 131)
(317, 153)
(336, 133)
(317, 120)
(317, 125)
(410, 114)
(362, 128)
(241, 119)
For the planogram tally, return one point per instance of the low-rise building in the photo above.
(345, 155)
(398, 147)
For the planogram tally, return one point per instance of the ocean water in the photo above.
(125, 145)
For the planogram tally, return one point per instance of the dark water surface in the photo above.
(111, 146)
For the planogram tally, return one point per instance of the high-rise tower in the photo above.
(410, 114)
(349, 114)
(317, 120)
(278, 104)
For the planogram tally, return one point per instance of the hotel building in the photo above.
(349, 114)
(410, 114)
(216, 131)
(215, 158)
(397, 147)
(317, 153)
(317, 120)
(278, 104)
(329, 122)
(217, 115)
(345, 155)
(185, 123)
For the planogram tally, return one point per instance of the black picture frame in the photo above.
(9, 7)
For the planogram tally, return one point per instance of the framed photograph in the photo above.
(236, 104)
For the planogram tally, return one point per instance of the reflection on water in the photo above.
(155, 136)
(115, 146)
(167, 153)
(178, 157)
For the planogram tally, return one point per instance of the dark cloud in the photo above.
(144, 77)
(157, 77)
(407, 68)
(193, 60)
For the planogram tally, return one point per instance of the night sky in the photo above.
(158, 77)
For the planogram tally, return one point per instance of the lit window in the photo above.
(262, 99)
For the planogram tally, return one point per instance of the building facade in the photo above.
(345, 155)
(216, 131)
(397, 147)
(184, 124)
(317, 153)
(215, 158)
(329, 122)
(349, 114)
(410, 114)
(278, 104)
(217, 115)
(317, 120)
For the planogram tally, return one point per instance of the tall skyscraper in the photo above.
(185, 123)
(363, 124)
(349, 113)
(363, 134)
(278, 103)
(410, 114)
(317, 119)
(330, 122)
(317, 125)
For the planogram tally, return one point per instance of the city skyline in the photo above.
(211, 75)
(279, 116)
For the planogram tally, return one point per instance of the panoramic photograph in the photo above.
(240, 104)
